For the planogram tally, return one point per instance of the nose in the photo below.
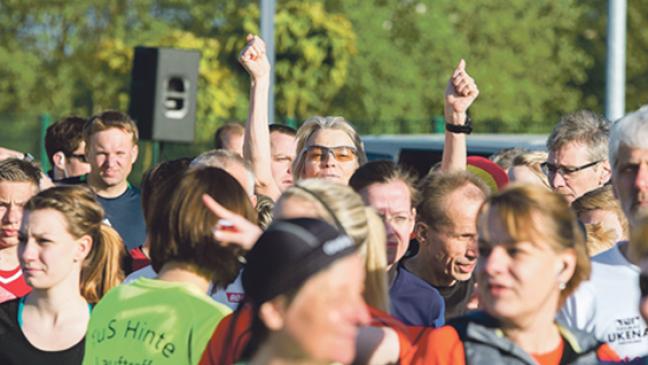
(472, 250)
(329, 158)
(14, 213)
(556, 180)
(495, 261)
(641, 180)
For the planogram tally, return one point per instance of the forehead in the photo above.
(19, 192)
(45, 221)
(296, 207)
(570, 154)
(462, 205)
(330, 138)
(282, 143)
(393, 195)
(111, 138)
(629, 154)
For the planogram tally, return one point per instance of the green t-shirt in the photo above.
(151, 322)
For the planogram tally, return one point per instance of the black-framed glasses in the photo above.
(79, 156)
(317, 153)
(550, 169)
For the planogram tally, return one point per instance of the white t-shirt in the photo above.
(232, 296)
(608, 305)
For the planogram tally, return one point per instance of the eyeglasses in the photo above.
(397, 219)
(316, 153)
(79, 156)
(550, 169)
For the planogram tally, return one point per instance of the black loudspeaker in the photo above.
(163, 93)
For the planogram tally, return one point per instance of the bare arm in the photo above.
(256, 144)
(460, 93)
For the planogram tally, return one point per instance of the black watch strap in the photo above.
(466, 128)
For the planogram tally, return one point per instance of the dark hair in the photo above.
(157, 181)
(284, 129)
(101, 269)
(181, 228)
(382, 172)
(225, 131)
(65, 135)
(504, 157)
(17, 170)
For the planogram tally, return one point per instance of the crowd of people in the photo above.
(285, 246)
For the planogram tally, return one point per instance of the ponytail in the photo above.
(101, 269)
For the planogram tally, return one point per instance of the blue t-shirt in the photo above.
(125, 215)
(414, 301)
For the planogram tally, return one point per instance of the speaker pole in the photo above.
(267, 33)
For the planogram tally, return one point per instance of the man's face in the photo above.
(111, 154)
(282, 148)
(573, 185)
(630, 181)
(13, 196)
(392, 201)
(453, 247)
(76, 164)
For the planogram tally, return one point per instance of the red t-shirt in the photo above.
(12, 285)
(139, 258)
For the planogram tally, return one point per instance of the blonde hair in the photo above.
(107, 120)
(340, 206)
(599, 239)
(316, 123)
(602, 198)
(533, 160)
(639, 238)
(101, 269)
(532, 213)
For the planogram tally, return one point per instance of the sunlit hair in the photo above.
(435, 188)
(341, 207)
(158, 182)
(264, 211)
(223, 159)
(533, 160)
(101, 269)
(584, 127)
(599, 239)
(314, 124)
(107, 120)
(639, 238)
(17, 170)
(225, 132)
(531, 213)
(181, 229)
(602, 198)
(631, 131)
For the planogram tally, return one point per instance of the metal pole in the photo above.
(267, 33)
(615, 72)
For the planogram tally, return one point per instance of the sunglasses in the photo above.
(79, 156)
(316, 153)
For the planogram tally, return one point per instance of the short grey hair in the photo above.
(631, 130)
(313, 125)
(222, 159)
(585, 127)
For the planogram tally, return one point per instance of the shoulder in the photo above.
(8, 316)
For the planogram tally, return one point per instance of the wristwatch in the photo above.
(466, 128)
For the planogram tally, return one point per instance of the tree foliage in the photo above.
(382, 64)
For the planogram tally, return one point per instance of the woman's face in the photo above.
(519, 281)
(323, 318)
(49, 255)
(330, 154)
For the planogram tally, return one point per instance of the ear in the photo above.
(135, 152)
(273, 313)
(58, 159)
(606, 173)
(85, 245)
(421, 232)
(566, 267)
